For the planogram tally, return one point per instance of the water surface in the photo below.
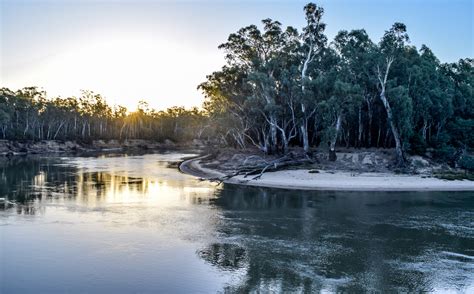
(123, 223)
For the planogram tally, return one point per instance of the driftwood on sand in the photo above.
(258, 168)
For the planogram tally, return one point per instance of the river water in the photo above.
(134, 223)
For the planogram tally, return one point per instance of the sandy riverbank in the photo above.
(302, 179)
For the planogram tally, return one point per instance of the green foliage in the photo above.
(281, 87)
(28, 114)
(402, 107)
(418, 145)
(445, 153)
(455, 176)
(300, 84)
(467, 162)
(461, 132)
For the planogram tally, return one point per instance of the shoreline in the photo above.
(52, 147)
(302, 179)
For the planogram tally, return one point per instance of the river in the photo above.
(120, 223)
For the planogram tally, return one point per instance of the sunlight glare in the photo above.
(124, 69)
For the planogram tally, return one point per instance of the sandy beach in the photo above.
(302, 179)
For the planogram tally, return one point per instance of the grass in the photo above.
(453, 176)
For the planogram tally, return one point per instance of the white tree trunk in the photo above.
(393, 127)
(304, 134)
(336, 133)
(425, 127)
(369, 113)
(57, 131)
(396, 136)
(304, 121)
(332, 143)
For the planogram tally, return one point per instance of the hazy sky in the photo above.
(159, 51)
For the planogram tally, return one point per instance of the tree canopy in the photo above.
(27, 114)
(281, 87)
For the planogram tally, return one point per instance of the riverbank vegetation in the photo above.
(282, 88)
(27, 114)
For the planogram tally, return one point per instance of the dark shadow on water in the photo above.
(285, 240)
(348, 241)
(225, 256)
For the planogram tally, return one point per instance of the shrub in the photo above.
(417, 145)
(445, 153)
(466, 162)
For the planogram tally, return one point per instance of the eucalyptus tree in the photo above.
(6, 110)
(313, 42)
(355, 52)
(25, 109)
(284, 86)
(281, 88)
(431, 94)
(459, 128)
(226, 93)
(252, 52)
(391, 49)
(260, 63)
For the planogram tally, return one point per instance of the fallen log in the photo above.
(280, 163)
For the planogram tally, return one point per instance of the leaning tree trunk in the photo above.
(400, 161)
(332, 147)
(57, 130)
(396, 136)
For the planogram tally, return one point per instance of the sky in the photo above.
(159, 51)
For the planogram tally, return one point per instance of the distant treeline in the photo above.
(281, 87)
(27, 114)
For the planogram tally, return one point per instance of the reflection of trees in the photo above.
(27, 209)
(338, 241)
(97, 187)
(31, 182)
(28, 181)
(224, 256)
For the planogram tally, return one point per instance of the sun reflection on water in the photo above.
(134, 217)
(106, 180)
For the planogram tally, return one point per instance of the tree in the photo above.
(280, 88)
(313, 41)
(391, 48)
